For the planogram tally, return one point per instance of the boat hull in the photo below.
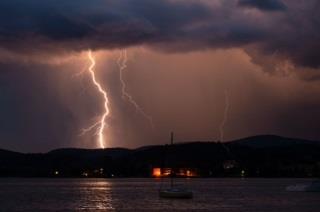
(311, 187)
(175, 194)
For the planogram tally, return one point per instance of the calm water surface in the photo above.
(141, 194)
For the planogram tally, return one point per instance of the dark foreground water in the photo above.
(141, 195)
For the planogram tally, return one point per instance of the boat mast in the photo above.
(171, 170)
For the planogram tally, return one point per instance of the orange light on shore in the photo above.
(156, 172)
(179, 172)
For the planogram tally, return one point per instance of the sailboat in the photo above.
(175, 192)
(313, 186)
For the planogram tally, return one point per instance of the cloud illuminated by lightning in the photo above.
(122, 63)
(225, 116)
(101, 124)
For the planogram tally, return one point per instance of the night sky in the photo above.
(185, 57)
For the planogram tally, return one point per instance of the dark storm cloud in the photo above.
(268, 5)
(170, 25)
(95, 24)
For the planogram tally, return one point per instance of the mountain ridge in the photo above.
(257, 156)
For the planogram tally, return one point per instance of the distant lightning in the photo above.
(225, 115)
(101, 124)
(89, 129)
(122, 63)
(223, 123)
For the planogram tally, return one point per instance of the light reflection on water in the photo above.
(141, 194)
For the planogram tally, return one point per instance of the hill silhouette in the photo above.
(257, 156)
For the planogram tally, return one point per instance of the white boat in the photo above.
(307, 187)
(174, 192)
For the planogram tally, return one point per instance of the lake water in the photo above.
(18, 194)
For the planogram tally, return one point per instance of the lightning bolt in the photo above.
(101, 124)
(225, 116)
(122, 63)
(223, 123)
